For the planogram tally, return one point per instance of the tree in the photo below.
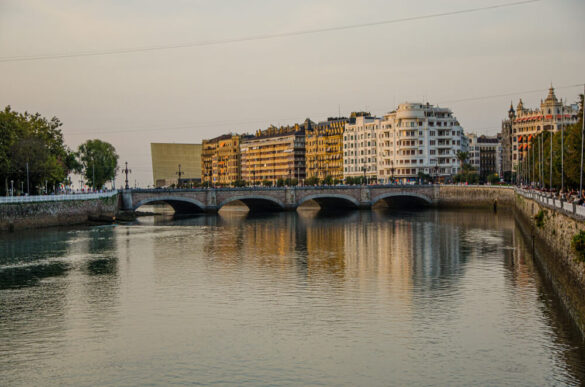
(266, 183)
(313, 180)
(462, 157)
(328, 180)
(494, 178)
(424, 177)
(34, 141)
(99, 160)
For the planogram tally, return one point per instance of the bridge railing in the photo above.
(260, 188)
(56, 198)
(564, 206)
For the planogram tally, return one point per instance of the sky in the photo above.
(187, 94)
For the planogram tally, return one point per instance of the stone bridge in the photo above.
(188, 201)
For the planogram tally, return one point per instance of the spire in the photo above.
(511, 112)
(520, 106)
(551, 98)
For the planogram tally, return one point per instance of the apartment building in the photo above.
(275, 153)
(324, 148)
(418, 138)
(485, 155)
(359, 146)
(221, 159)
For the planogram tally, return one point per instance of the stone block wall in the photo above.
(475, 196)
(552, 239)
(15, 216)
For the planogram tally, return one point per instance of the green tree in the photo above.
(313, 180)
(462, 157)
(494, 178)
(100, 160)
(30, 139)
(328, 180)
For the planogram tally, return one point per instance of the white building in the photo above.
(359, 146)
(418, 138)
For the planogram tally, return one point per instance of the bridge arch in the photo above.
(181, 205)
(332, 200)
(403, 198)
(256, 202)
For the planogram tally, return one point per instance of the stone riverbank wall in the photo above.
(551, 230)
(478, 196)
(57, 212)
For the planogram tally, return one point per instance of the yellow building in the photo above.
(324, 149)
(166, 159)
(221, 160)
(275, 153)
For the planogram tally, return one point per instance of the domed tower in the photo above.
(551, 104)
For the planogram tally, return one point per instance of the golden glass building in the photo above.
(275, 153)
(166, 158)
(221, 159)
(324, 148)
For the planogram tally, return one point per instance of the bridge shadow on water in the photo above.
(402, 202)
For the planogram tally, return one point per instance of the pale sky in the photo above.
(187, 94)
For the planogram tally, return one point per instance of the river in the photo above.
(385, 297)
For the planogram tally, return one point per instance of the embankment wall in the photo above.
(457, 196)
(552, 240)
(17, 216)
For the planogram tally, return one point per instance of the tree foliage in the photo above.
(30, 139)
(99, 160)
(313, 180)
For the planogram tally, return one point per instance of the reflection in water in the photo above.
(342, 298)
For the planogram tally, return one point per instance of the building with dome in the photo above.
(524, 124)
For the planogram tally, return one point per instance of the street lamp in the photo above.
(11, 187)
(364, 170)
(392, 170)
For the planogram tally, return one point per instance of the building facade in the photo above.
(324, 148)
(524, 124)
(221, 160)
(418, 138)
(485, 155)
(359, 146)
(275, 153)
(166, 159)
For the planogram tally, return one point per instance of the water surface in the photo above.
(356, 298)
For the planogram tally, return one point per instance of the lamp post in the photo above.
(27, 182)
(392, 170)
(364, 170)
(126, 171)
(11, 187)
(562, 149)
(582, 134)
